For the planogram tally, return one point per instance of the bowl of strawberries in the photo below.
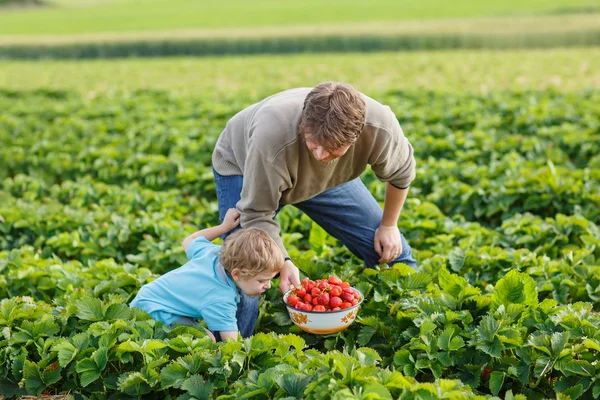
(323, 306)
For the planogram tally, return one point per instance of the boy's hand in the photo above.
(232, 219)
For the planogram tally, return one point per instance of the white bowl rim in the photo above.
(286, 294)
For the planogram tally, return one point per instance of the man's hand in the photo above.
(388, 243)
(231, 220)
(288, 277)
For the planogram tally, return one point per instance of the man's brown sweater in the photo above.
(262, 143)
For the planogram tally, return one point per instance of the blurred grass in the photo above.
(70, 17)
(500, 26)
(228, 77)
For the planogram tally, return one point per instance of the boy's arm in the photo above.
(231, 220)
(228, 334)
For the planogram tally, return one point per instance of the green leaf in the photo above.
(427, 327)
(293, 383)
(173, 375)
(365, 335)
(496, 382)
(397, 381)
(574, 392)
(580, 367)
(596, 390)
(514, 288)
(51, 375)
(196, 387)
(317, 238)
(130, 346)
(18, 364)
(100, 358)
(282, 318)
(541, 343)
(31, 375)
(134, 384)
(558, 342)
(88, 371)
(117, 311)
(444, 339)
(90, 309)
(66, 352)
(456, 343)
(376, 391)
(592, 344)
(416, 281)
(456, 258)
(450, 283)
(367, 356)
(151, 345)
(296, 341)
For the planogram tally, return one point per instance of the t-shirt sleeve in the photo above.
(260, 196)
(220, 317)
(394, 161)
(200, 247)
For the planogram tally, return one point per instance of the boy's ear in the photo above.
(235, 274)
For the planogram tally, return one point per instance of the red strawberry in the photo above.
(334, 280)
(292, 300)
(335, 291)
(486, 373)
(345, 305)
(324, 299)
(335, 302)
(323, 285)
(347, 297)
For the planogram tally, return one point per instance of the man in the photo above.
(308, 147)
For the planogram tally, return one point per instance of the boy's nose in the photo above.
(269, 285)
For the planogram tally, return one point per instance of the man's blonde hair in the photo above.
(252, 251)
(333, 115)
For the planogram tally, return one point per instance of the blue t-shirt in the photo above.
(199, 289)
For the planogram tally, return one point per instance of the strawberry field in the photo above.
(97, 192)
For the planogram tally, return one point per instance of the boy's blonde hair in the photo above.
(333, 115)
(251, 251)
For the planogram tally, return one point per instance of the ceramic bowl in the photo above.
(323, 323)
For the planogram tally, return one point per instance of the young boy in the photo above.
(208, 286)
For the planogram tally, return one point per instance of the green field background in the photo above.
(75, 17)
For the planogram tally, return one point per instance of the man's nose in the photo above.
(322, 153)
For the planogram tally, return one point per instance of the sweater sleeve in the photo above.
(261, 192)
(393, 160)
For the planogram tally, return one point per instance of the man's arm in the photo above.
(387, 237)
(231, 220)
(394, 201)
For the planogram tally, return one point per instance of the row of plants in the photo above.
(98, 192)
(476, 167)
(152, 238)
(413, 329)
(548, 124)
(330, 43)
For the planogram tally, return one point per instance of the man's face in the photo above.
(254, 285)
(322, 154)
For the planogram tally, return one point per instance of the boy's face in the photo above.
(253, 285)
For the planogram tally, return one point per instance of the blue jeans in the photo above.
(348, 212)
(246, 315)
